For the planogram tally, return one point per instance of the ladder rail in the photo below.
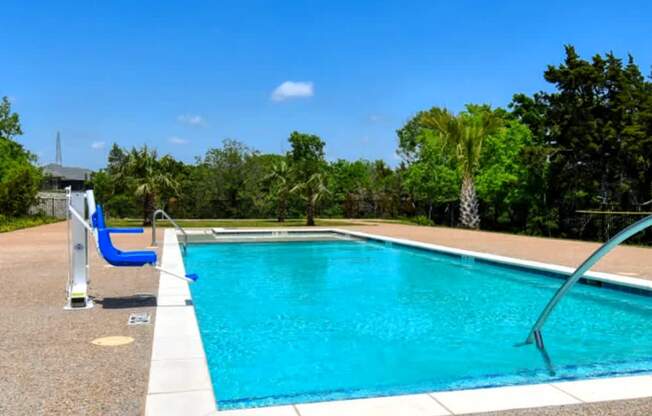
(624, 234)
(160, 212)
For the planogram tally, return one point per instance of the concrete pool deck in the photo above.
(48, 366)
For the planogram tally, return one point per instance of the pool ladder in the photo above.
(535, 335)
(160, 212)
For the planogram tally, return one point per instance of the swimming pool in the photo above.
(299, 322)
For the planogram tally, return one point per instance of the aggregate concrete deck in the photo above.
(629, 261)
(48, 365)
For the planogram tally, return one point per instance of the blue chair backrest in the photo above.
(113, 255)
(98, 217)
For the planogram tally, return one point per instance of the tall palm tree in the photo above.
(466, 133)
(149, 179)
(312, 190)
(279, 178)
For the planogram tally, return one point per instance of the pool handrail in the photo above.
(158, 212)
(624, 234)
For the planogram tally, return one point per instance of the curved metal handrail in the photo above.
(158, 212)
(535, 332)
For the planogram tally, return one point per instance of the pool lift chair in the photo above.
(81, 205)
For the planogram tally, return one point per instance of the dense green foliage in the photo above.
(231, 223)
(465, 135)
(134, 178)
(592, 140)
(529, 169)
(235, 181)
(19, 177)
(533, 168)
(308, 165)
(16, 223)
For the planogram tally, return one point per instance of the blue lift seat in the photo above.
(113, 255)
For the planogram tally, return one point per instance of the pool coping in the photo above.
(179, 380)
(169, 393)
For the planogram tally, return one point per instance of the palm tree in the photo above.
(466, 132)
(312, 190)
(148, 177)
(279, 178)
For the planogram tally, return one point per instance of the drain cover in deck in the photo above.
(112, 341)
(139, 319)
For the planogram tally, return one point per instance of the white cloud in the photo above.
(98, 145)
(292, 89)
(177, 140)
(191, 119)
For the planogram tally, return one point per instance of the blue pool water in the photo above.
(311, 321)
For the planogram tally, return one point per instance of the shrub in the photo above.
(422, 220)
(19, 184)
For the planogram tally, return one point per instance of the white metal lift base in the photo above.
(78, 229)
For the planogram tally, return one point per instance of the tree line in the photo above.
(586, 144)
(20, 178)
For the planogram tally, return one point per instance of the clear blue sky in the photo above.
(182, 77)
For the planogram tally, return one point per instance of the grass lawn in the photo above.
(232, 223)
(12, 224)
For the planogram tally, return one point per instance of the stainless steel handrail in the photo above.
(535, 332)
(158, 212)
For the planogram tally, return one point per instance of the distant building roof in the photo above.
(67, 172)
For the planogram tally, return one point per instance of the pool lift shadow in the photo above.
(535, 335)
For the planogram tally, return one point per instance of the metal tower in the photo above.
(58, 160)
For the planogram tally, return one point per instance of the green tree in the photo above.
(311, 190)
(9, 122)
(19, 178)
(502, 176)
(279, 180)
(596, 126)
(113, 189)
(146, 174)
(307, 160)
(116, 160)
(466, 132)
(540, 214)
(433, 175)
(385, 189)
(351, 185)
(228, 183)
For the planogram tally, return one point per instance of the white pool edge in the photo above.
(188, 401)
(548, 267)
(179, 379)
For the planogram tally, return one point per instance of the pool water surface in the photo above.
(298, 322)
